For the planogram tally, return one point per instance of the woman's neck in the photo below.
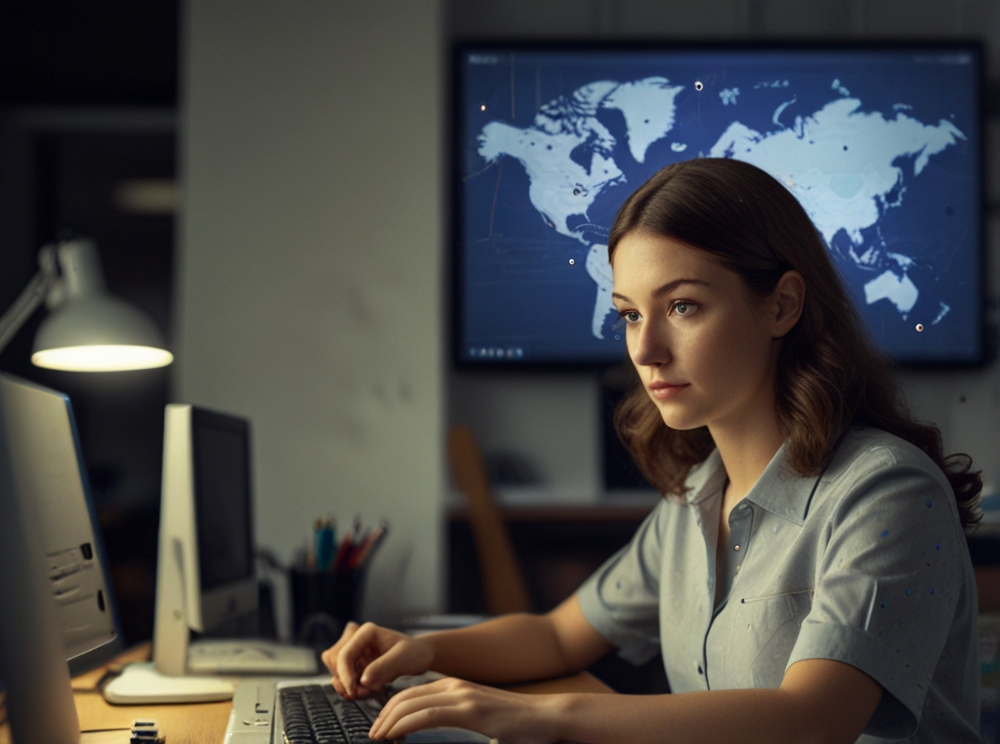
(746, 452)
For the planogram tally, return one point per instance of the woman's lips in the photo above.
(666, 390)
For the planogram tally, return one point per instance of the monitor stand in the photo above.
(180, 670)
(142, 684)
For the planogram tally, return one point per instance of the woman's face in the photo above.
(705, 354)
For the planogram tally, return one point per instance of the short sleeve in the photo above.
(621, 599)
(888, 583)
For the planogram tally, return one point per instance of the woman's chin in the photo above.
(678, 421)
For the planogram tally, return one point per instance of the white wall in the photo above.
(309, 293)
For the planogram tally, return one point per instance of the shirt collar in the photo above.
(706, 478)
(779, 489)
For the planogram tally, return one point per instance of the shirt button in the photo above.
(736, 547)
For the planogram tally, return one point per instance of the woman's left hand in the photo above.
(511, 717)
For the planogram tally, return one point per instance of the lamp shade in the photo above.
(98, 333)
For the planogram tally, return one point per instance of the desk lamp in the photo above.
(88, 330)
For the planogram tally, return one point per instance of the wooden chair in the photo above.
(503, 581)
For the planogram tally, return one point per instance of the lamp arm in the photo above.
(32, 296)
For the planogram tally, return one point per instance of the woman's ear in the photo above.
(786, 302)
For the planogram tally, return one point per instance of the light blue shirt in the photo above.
(866, 564)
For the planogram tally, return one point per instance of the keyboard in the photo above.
(309, 711)
(316, 714)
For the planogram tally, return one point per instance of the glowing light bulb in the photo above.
(102, 358)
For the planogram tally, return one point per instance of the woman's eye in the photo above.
(625, 319)
(683, 308)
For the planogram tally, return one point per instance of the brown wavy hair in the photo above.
(830, 374)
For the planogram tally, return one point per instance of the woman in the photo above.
(805, 577)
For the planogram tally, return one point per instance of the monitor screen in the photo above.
(220, 445)
(880, 144)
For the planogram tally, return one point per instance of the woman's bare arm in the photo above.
(820, 701)
(511, 648)
(520, 647)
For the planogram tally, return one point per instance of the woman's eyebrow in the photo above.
(665, 289)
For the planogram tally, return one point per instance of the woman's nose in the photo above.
(651, 346)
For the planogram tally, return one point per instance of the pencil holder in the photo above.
(322, 604)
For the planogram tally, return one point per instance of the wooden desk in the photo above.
(181, 724)
(205, 723)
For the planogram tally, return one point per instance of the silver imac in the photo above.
(205, 569)
(58, 612)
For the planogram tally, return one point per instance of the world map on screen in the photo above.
(839, 192)
(866, 169)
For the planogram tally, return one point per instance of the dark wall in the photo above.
(87, 99)
(112, 52)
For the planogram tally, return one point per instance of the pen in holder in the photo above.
(326, 595)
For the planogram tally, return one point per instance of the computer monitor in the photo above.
(205, 568)
(881, 143)
(57, 613)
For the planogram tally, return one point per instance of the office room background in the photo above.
(267, 179)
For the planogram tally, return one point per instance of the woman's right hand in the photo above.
(367, 657)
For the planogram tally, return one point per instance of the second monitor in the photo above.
(205, 568)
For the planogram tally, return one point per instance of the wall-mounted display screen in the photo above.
(880, 144)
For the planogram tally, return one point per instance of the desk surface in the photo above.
(205, 723)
